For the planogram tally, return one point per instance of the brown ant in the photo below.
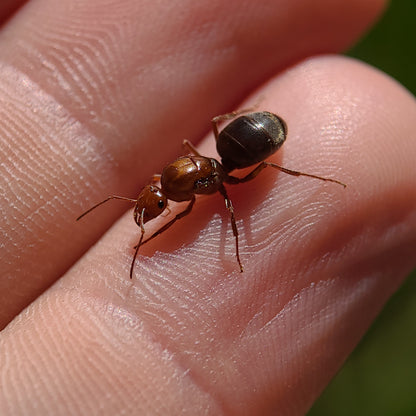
(247, 140)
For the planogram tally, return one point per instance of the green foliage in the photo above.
(379, 378)
(391, 45)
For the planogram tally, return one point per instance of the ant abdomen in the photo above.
(250, 139)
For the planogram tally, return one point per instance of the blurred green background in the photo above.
(379, 378)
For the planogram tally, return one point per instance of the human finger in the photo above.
(96, 97)
(320, 261)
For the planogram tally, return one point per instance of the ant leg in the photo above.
(228, 116)
(141, 224)
(105, 200)
(264, 165)
(229, 206)
(191, 148)
(182, 214)
(297, 173)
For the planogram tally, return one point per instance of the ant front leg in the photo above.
(141, 224)
(182, 214)
(230, 208)
(264, 165)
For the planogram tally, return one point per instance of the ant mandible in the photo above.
(247, 140)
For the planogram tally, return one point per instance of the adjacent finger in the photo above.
(7, 7)
(191, 332)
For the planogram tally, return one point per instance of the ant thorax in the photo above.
(190, 175)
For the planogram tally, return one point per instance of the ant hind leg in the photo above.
(229, 116)
(264, 165)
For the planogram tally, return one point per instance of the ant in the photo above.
(246, 141)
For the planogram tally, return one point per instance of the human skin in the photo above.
(96, 97)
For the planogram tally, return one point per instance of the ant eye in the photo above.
(161, 204)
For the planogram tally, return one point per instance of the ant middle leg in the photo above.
(191, 148)
(230, 208)
(264, 165)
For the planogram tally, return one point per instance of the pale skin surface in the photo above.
(96, 97)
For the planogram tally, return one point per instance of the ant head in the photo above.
(150, 203)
